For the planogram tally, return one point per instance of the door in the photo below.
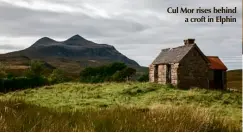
(218, 79)
(168, 74)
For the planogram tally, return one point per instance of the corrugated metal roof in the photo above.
(216, 63)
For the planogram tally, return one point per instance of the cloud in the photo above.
(138, 28)
(39, 5)
(9, 47)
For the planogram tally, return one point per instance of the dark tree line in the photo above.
(34, 76)
(114, 72)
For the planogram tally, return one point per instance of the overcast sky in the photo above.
(137, 28)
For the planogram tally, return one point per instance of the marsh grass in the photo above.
(19, 116)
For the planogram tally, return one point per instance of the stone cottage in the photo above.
(186, 67)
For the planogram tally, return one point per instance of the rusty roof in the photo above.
(216, 63)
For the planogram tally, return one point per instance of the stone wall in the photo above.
(162, 73)
(193, 71)
(151, 73)
(174, 73)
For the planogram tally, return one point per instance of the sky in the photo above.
(138, 29)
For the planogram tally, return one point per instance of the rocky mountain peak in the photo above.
(76, 40)
(43, 41)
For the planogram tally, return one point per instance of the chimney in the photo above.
(189, 41)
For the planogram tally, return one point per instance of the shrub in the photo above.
(124, 74)
(19, 83)
(144, 78)
(10, 76)
(36, 69)
(114, 67)
(57, 76)
(103, 73)
(2, 70)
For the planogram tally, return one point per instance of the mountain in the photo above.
(72, 54)
(74, 48)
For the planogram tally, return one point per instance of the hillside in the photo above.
(119, 107)
(234, 79)
(78, 96)
(71, 55)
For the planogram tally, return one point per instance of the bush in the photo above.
(102, 73)
(124, 74)
(19, 83)
(33, 78)
(144, 78)
(57, 76)
(2, 70)
(10, 76)
(36, 69)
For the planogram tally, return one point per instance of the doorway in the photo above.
(156, 73)
(168, 74)
(218, 79)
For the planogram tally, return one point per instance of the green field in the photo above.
(75, 97)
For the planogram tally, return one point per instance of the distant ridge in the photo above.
(75, 51)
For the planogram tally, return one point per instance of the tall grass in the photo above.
(19, 116)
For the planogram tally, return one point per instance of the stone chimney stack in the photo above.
(189, 41)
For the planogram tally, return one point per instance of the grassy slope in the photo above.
(142, 95)
(234, 79)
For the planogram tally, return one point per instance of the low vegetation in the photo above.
(119, 107)
(21, 117)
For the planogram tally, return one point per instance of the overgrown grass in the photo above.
(19, 116)
(117, 102)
